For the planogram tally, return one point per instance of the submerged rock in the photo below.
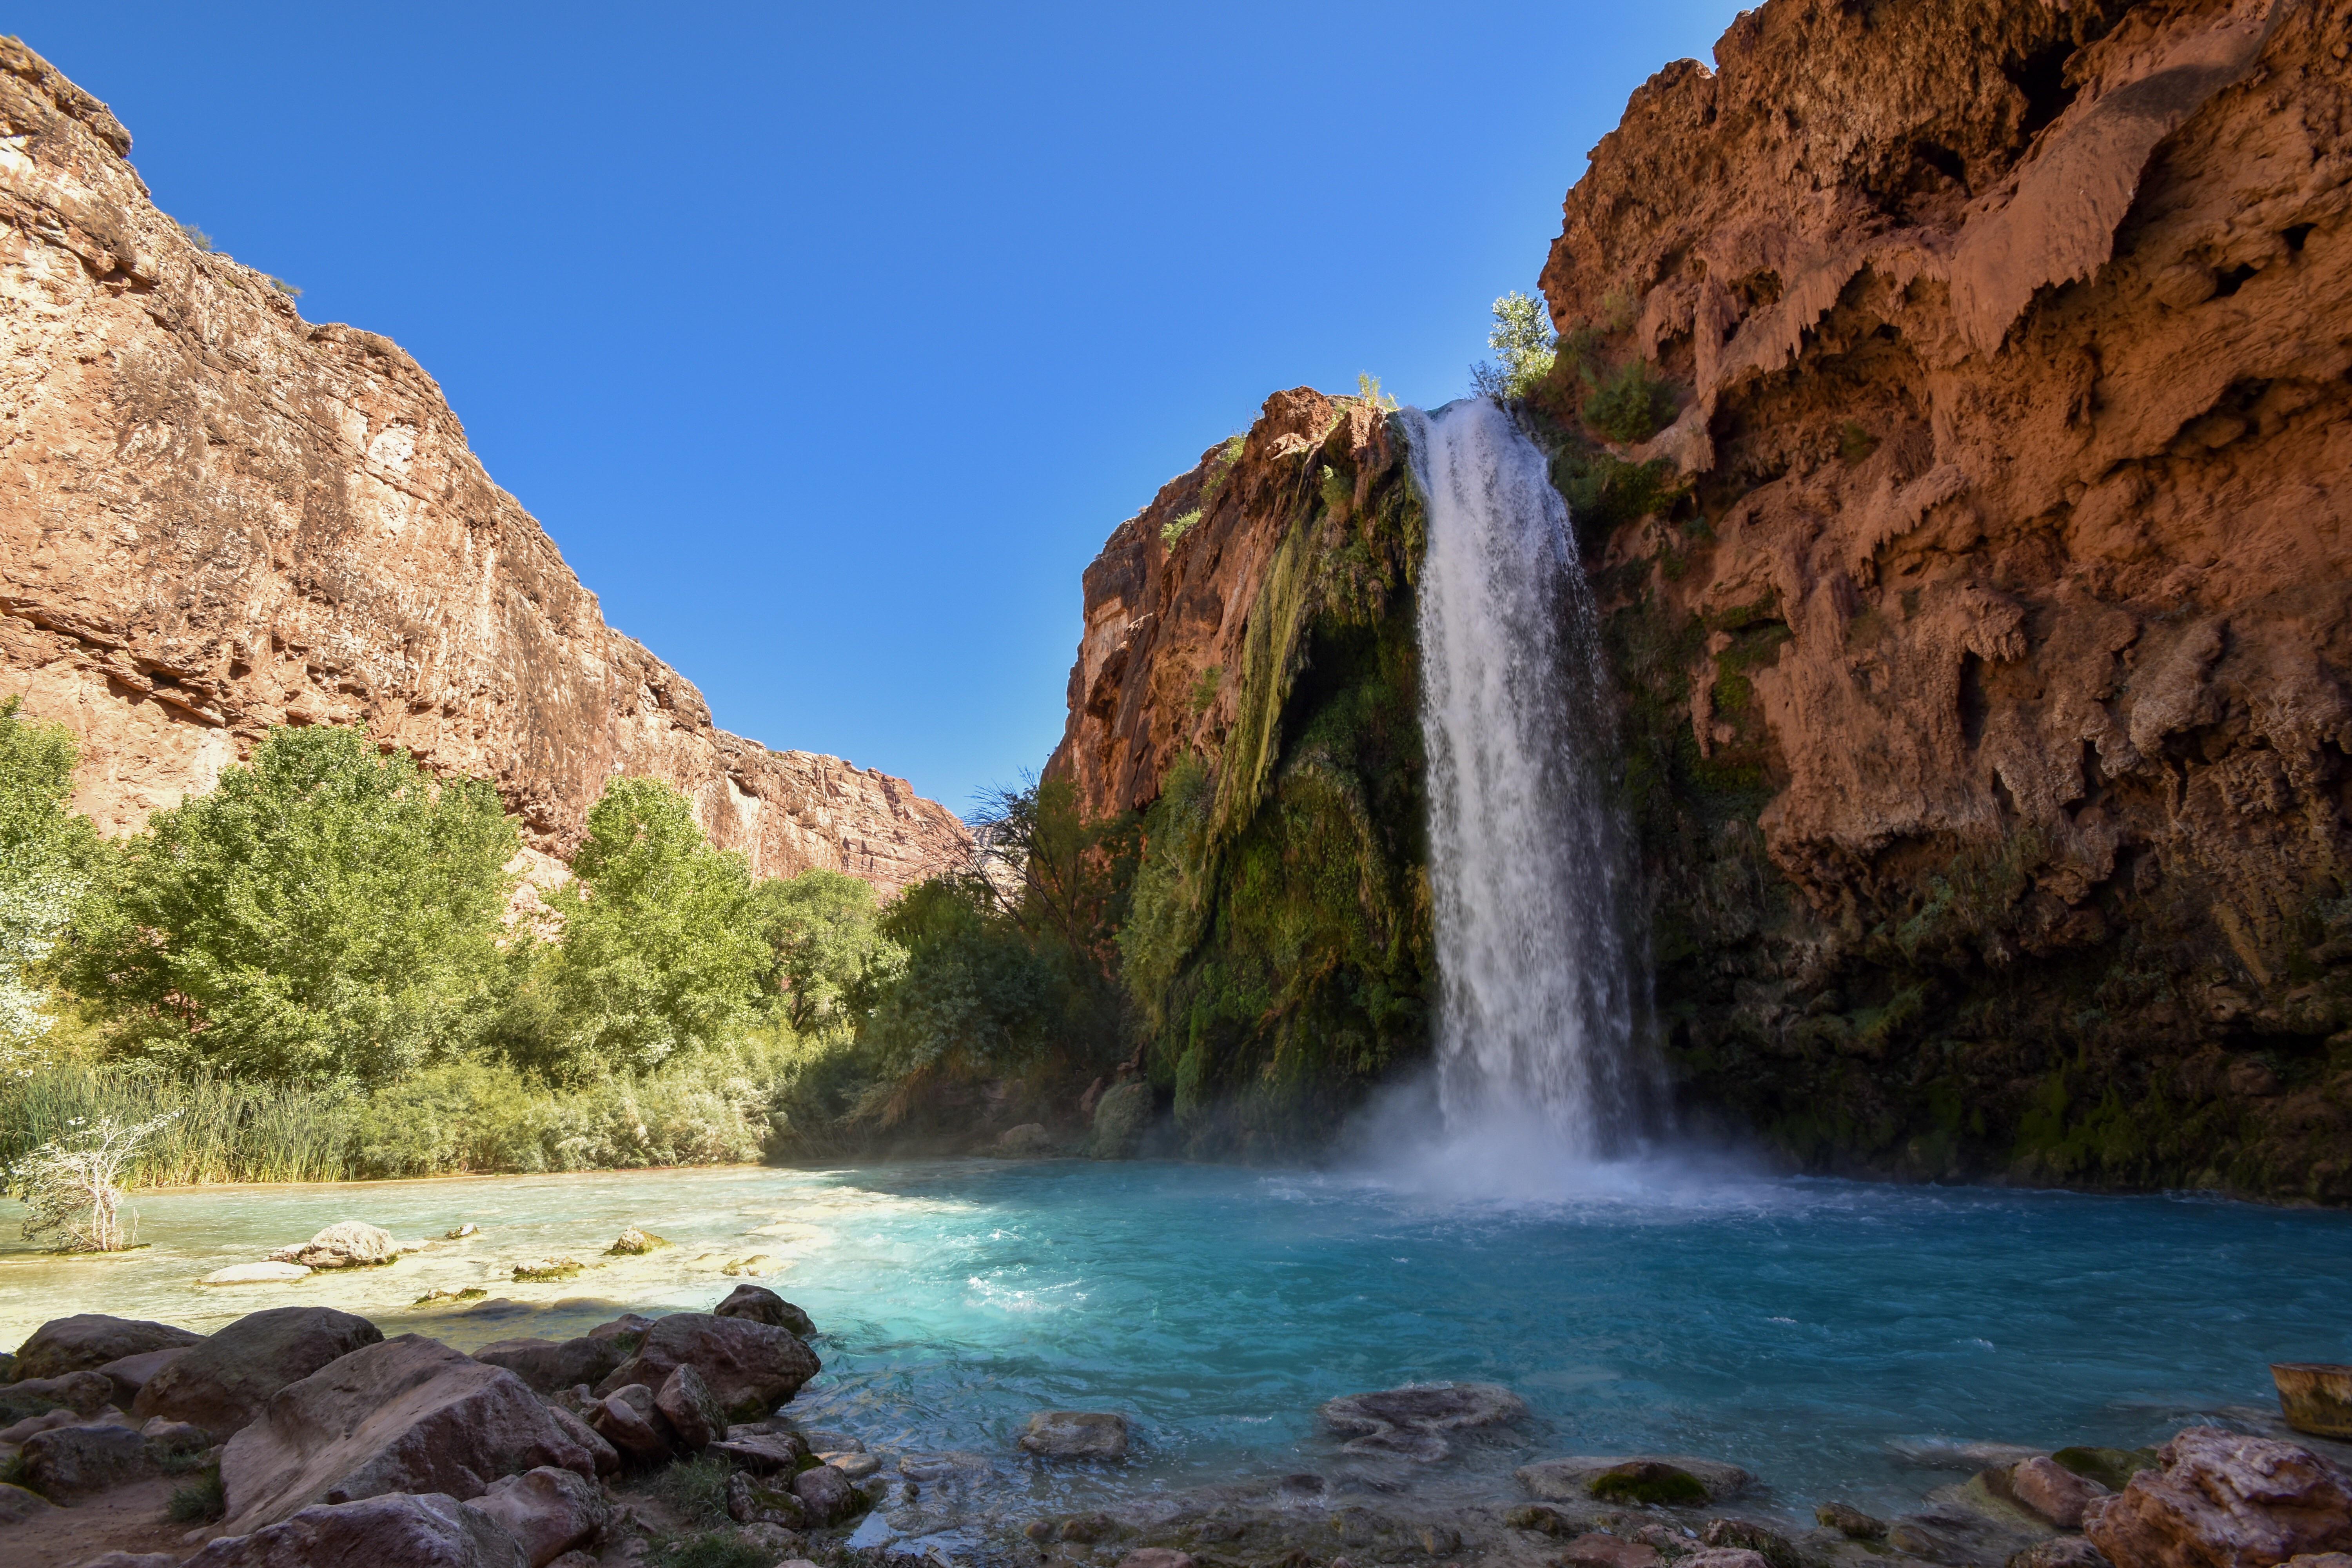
(547, 1270)
(430, 1530)
(1850, 1521)
(222, 1383)
(348, 1243)
(406, 1415)
(2225, 1501)
(1571, 1479)
(1413, 1422)
(762, 1305)
(258, 1274)
(827, 1495)
(1076, 1434)
(635, 1243)
(1029, 1140)
(88, 1340)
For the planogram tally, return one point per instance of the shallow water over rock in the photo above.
(1825, 1336)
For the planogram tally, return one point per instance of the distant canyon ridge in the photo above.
(216, 517)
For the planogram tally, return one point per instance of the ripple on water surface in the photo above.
(1799, 1328)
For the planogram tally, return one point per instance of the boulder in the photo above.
(1416, 1422)
(761, 1453)
(629, 1428)
(349, 1244)
(2048, 1490)
(1028, 1141)
(2225, 1501)
(1723, 1557)
(550, 1511)
(1076, 1434)
(168, 1437)
(2067, 1552)
(1850, 1521)
(693, 1412)
(17, 1434)
(1965, 1530)
(635, 1243)
(392, 1531)
(856, 1467)
(83, 1393)
(68, 1462)
(1751, 1535)
(17, 1505)
(628, 1327)
(601, 1454)
(131, 1373)
(826, 1494)
(552, 1365)
(1572, 1480)
(407, 1414)
(752, 1367)
(1122, 1116)
(460, 1232)
(222, 1384)
(2314, 1398)
(1598, 1549)
(762, 1305)
(2111, 1467)
(752, 1499)
(258, 1274)
(88, 1340)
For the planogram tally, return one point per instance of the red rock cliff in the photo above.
(216, 517)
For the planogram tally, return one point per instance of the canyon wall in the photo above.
(216, 517)
(1986, 625)
(1983, 613)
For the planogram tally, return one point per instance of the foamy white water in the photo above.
(1536, 1047)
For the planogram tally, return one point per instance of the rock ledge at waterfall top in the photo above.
(216, 517)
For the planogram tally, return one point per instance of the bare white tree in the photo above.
(72, 1185)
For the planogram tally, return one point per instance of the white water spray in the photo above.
(1536, 1049)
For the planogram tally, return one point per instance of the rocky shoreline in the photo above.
(303, 1435)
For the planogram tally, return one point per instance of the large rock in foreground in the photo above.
(222, 1383)
(408, 1414)
(88, 1340)
(751, 1367)
(432, 1531)
(2225, 1501)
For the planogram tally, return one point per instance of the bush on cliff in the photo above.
(326, 913)
(1525, 349)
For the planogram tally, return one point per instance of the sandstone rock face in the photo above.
(1992, 666)
(2225, 1501)
(88, 1340)
(407, 1414)
(222, 1384)
(427, 1531)
(216, 517)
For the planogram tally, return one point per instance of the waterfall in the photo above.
(1528, 856)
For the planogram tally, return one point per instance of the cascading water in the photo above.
(1538, 992)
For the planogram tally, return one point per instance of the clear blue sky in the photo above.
(830, 343)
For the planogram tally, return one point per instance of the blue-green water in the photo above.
(1804, 1328)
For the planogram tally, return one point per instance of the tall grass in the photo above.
(721, 1107)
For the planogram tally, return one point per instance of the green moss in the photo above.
(1177, 527)
(1630, 403)
(1204, 690)
(1605, 492)
(1649, 1483)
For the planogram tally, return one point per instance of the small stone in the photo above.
(17, 1505)
(258, 1274)
(435, 1298)
(131, 1374)
(1748, 1534)
(1546, 1521)
(1087, 1529)
(1039, 1530)
(856, 1467)
(750, 1265)
(546, 1270)
(1159, 1557)
(635, 1243)
(2075, 1551)
(459, 1232)
(2052, 1492)
(1850, 1521)
(761, 1453)
(693, 1412)
(1722, 1557)
(1076, 1434)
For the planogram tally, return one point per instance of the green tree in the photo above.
(663, 948)
(831, 956)
(1525, 348)
(328, 912)
(47, 852)
(975, 994)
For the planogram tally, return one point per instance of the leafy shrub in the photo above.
(1629, 405)
(199, 1502)
(696, 1489)
(1204, 690)
(72, 1188)
(1605, 492)
(1177, 527)
(328, 912)
(45, 855)
(714, 1549)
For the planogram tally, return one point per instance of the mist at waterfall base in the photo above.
(1543, 1086)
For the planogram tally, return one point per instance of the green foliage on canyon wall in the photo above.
(1277, 944)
